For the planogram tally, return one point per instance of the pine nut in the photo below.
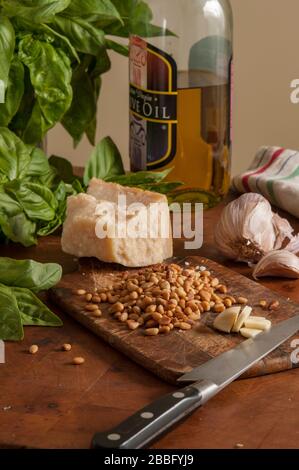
(67, 347)
(118, 307)
(157, 316)
(185, 326)
(33, 349)
(227, 302)
(96, 299)
(91, 307)
(80, 292)
(206, 306)
(123, 317)
(88, 297)
(242, 300)
(133, 325)
(97, 313)
(78, 361)
(152, 332)
(103, 297)
(164, 330)
(219, 308)
(263, 303)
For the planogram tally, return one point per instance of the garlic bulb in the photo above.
(248, 229)
(280, 263)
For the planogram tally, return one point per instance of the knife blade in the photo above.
(209, 379)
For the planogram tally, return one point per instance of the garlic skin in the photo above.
(279, 263)
(293, 246)
(248, 229)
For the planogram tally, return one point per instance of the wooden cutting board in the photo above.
(172, 355)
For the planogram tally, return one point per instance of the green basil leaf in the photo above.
(83, 35)
(83, 108)
(7, 47)
(137, 17)
(93, 10)
(37, 201)
(14, 93)
(21, 119)
(13, 222)
(119, 48)
(91, 129)
(51, 73)
(18, 228)
(39, 164)
(105, 161)
(63, 168)
(36, 11)
(162, 188)
(11, 328)
(14, 155)
(139, 178)
(29, 274)
(62, 39)
(33, 311)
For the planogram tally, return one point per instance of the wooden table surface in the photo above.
(46, 402)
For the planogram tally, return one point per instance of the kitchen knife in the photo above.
(207, 380)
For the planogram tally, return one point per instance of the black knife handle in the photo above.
(147, 424)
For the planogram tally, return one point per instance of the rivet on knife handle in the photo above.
(147, 424)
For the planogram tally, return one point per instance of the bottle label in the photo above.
(153, 106)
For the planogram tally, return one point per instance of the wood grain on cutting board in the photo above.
(170, 356)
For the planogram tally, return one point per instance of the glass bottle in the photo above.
(180, 97)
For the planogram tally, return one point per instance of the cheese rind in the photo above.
(84, 223)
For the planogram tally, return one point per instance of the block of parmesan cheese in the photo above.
(117, 224)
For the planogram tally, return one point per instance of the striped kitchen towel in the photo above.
(274, 173)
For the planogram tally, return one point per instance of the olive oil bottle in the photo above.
(180, 97)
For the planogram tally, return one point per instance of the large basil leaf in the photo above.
(37, 201)
(63, 40)
(84, 105)
(7, 46)
(51, 73)
(33, 311)
(11, 328)
(93, 10)
(36, 11)
(29, 274)
(14, 93)
(63, 167)
(139, 178)
(105, 161)
(39, 164)
(91, 129)
(119, 48)
(83, 35)
(18, 228)
(21, 119)
(137, 17)
(14, 155)
(14, 223)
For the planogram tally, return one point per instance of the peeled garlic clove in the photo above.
(248, 229)
(279, 263)
(244, 315)
(258, 323)
(250, 333)
(226, 320)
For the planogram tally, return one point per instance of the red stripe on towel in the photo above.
(245, 179)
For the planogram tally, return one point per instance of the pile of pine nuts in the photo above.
(161, 298)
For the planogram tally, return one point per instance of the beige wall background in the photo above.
(266, 61)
